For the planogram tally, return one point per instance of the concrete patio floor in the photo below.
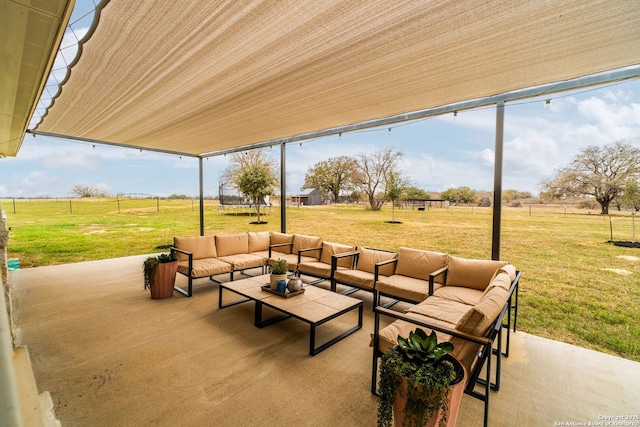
(111, 356)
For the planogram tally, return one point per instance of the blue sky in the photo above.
(440, 152)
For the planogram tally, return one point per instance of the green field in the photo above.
(576, 287)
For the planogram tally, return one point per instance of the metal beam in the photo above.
(547, 89)
(201, 175)
(497, 181)
(112, 144)
(283, 188)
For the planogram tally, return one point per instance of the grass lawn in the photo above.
(575, 288)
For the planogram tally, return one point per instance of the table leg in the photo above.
(260, 323)
(313, 350)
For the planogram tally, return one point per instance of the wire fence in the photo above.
(99, 205)
(623, 225)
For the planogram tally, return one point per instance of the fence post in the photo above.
(157, 204)
(14, 205)
(611, 229)
(70, 208)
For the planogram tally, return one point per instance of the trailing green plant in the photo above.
(419, 359)
(150, 265)
(279, 267)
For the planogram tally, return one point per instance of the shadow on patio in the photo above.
(109, 355)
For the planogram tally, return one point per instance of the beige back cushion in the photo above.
(480, 317)
(232, 244)
(300, 241)
(279, 238)
(329, 249)
(471, 273)
(370, 257)
(200, 246)
(258, 241)
(419, 264)
(502, 278)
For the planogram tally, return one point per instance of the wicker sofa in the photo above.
(468, 308)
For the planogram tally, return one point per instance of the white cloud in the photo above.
(485, 159)
(71, 159)
(35, 183)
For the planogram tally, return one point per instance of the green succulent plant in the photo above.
(420, 347)
(279, 267)
(421, 360)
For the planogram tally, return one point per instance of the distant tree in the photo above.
(177, 197)
(394, 186)
(459, 195)
(597, 171)
(511, 195)
(331, 176)
(631, 195)
(414, 193)
(254, 174)
(371, 174)
(86, 191)
(484, 201)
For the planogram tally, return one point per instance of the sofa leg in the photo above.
(188, 292)
(376, 354)
(374, 375)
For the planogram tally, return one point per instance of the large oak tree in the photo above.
(331, 176)
(598, 171)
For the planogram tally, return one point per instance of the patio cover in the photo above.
(199, 77)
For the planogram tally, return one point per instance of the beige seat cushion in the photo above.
(358, 278)
(456, 293)
(441, 309)
(200, 246)
(244, 261)
(330, 249)
(300, 241)
(471, 273)
(292, 260)
(281, 238)
(204, 267)
(404, 287)
(316, 268)
(232, 244)
(258, 241)
(368, 258)
(419, 263)
(261, 254)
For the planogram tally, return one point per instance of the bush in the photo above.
(485, 202)
(587, 204)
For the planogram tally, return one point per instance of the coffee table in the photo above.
(315, 306)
